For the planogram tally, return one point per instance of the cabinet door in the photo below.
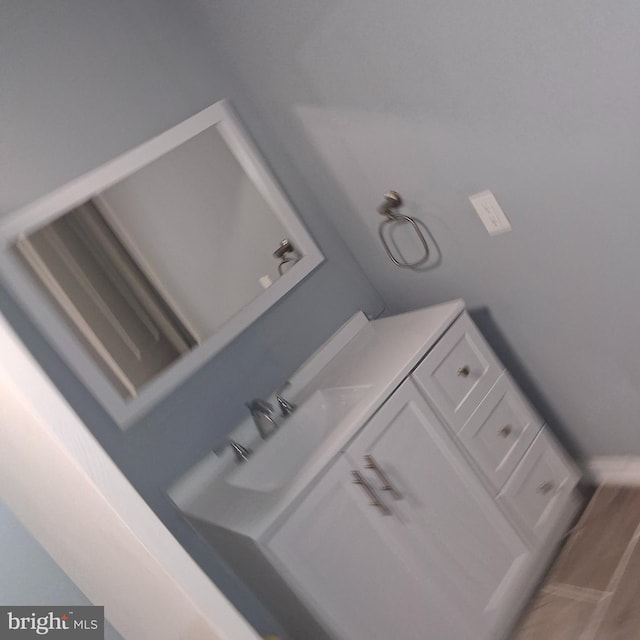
(341, 555)
(443, 514)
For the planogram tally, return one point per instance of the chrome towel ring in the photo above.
(393, 201)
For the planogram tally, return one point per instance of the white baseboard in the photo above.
(620, 470)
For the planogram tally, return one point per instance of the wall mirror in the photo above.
(141, 270)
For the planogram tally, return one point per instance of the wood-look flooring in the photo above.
(593, 590)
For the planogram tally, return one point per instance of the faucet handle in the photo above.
(286, 407)
(241, 453)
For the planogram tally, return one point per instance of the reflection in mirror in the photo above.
(155, 261)
(131, 329)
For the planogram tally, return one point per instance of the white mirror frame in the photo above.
(50, 321)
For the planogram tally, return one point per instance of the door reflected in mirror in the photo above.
(152, 263)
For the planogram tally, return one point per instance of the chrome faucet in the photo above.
(262, 414)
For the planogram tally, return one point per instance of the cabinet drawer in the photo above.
(458, 372)
(500, 431)
(539, 488)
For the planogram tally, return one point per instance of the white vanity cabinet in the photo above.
(419, 551)
(431, 522)
(429, 511)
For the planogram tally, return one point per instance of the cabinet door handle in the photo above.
(505, 432)
(463, 372)
(370, 491)
(546, 487)
(370, 463)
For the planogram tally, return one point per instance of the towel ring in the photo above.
(393, 201)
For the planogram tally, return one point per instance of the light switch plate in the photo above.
(490, 212)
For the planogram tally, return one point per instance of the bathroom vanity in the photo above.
(414, 493)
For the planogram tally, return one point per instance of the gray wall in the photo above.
(537, 101)
(85, 80)
(30, 576)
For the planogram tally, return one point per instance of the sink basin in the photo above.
(277, 461)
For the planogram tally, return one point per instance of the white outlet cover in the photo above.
(490, 212)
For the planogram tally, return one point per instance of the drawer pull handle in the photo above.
(370, 463)
(505, 432)
(546, 487)
(463, 372)
(370, 491)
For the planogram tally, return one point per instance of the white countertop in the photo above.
(379, 356)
